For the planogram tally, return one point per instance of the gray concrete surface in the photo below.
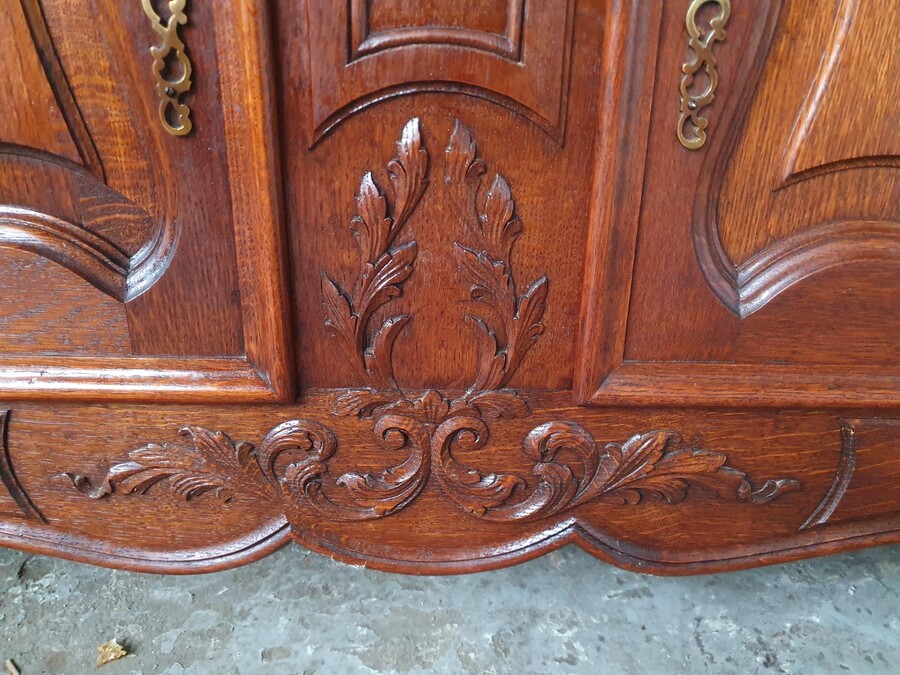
(297, 612)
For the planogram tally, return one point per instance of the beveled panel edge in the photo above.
(244, 46)
(746, 288)
(265, 372)
(135, 379)
(553, 125)
(630, 54)
(749, 385)
(507, 44)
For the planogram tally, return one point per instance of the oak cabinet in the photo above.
(437, 287)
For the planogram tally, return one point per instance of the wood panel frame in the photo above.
(602, 374)
(264, 372)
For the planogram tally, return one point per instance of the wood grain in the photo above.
(153, 527)
(435, 288)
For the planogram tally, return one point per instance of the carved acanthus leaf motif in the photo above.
(208, 462)
(510, 324)
(288, 465)
(432, 408)
(292, 462)
(384, 268)
(655, 463)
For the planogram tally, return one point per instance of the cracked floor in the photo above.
(297, 612)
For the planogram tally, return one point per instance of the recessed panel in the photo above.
(358, 54)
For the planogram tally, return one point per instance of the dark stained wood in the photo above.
(195, 264)
(709, 525)
(435, 288)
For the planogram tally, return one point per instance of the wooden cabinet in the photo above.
(437, 287)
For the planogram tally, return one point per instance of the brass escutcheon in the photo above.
(173, 113)
(692, 104)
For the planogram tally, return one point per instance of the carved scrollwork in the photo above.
(509, 324)
(656, 463)
(431, 429)
(703, 58)
(287, 465)
(173, 113)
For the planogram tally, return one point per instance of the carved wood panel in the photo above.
(784, 169)
(746, 258)
(623, 484)
(492, 227)
(105, 235)
(522, 64)
(94, 184)
(434, 345)
(488, 25)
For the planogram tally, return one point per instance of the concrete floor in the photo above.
(297, 612)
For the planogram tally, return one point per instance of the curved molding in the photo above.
(491, 43)
(241, 551)
(506, 44)
(269, 539)
(148, 265)
(746, 288)
(842, 478)
(607, 548)
(9, 479)
(72, 245)
(791, 260)
(554, 130)
(94, 259)
(534, 74)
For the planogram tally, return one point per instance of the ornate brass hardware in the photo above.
(174, 115)
(702, 45)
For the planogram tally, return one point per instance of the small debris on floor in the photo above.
(110, 651)
(11, 668)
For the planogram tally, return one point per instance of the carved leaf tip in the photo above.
(384, 269)
(371, 225)
(499, 224)
(408, 173)
(464, 167)
(771, 490)
(494, 404)
(83, 485)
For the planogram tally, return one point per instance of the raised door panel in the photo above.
(768, 242)
(120, 249)
(513, 53)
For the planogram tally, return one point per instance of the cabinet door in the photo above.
(767, 242)
(129, 268)
(526, 312)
